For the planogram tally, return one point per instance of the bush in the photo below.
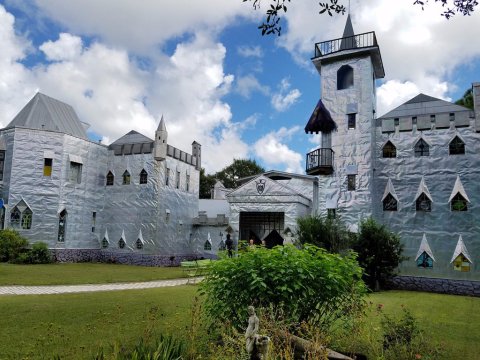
(328, 233)
(379, 253)
(306, 285)
(12, 244)
(39, 254)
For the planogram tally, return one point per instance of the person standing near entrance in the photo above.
(229, 245)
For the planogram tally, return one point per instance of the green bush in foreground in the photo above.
(12, 244)
(306, 285)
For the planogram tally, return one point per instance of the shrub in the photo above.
(12, 244)
(379, 253)
(39, 254)
(306, 285)
(328, 233)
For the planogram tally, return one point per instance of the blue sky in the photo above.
(204, 66)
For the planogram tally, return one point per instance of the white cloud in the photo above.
(250, 51)
(67, 47)
(246, 85)
(284, 99)
(141, 25)
(272, 150)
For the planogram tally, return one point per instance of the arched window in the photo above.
(104, 243)
(422, 148)
(389, 150)
(27, 219)
(110, 178)
(126, 178)
(15, 216)
(121, 243)
(62, 225)
(458, 203)
(425, 261)
(389, 203)
(139, 244)
(345, 77)
(423, 203)
(207, 246)
(143, 177)
(456, 146)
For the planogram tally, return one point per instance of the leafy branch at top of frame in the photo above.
(271, 24)
(464, 7)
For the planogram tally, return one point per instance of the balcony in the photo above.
(320, 162)
(359, 41)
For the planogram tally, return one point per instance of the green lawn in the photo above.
(82, 273)
(75, 326)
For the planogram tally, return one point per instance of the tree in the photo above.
(271, 23)
(379, 253)
(12, 244)
(328, 233)
(206, 184)
(466, 100)
(240, 168)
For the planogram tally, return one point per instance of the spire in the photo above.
(161, 125)
(348, 38)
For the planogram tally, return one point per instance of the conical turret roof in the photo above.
(320, 120)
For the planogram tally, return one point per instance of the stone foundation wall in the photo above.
(102, 256)
(442, 286)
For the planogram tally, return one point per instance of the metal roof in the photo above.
(133, 137)
(320, 120)
(422, 105)
(45, 113)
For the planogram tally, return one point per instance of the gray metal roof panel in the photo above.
(133, 137)
(46, 113)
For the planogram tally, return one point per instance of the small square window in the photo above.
(351, 182)
(47, 167)
(452, 116)
(396, 121)
(414, 120)
(432, 118)
(351, 121)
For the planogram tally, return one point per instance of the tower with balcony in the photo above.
(345, 120)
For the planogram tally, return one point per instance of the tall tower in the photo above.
(197, 153)
(345, 118)
(160, 143)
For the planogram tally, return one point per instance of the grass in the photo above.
(82, 273)
(449, 321)
(75, 326)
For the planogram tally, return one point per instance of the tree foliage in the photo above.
(466, 100)
(328, 233)
(307, 285)
(229, 175)
(271, 23)
(379, 253)
(12, 244)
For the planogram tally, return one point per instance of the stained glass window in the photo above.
(456, 146)
(207, 246)
(121, 243)
(104, 243)
(126, 178)
(461, 263)
(389, 150)
(27, 219)
(110, 178)
(139, 244)
(15, 217)
(389, 203)
(143, 177)
(422, 148)
(425, 261)
(458, 203)
(423, 203)
(62, 225)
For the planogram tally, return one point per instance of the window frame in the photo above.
(122, 243)
(126, 179)
(351, 121)
(458, 198)
(75, 175)
(423, 197)
(389, 152)
(143, 177)
(110, 179)
(424, 261)
(419, 148)
(386, 201)
(139, 244)
(457, 145)
(351, 182)
(47, 169)
(345, 77)
(62, 226)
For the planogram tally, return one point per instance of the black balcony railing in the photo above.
(320, 162)
(347, 43)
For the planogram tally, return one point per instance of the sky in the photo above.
(204, 67)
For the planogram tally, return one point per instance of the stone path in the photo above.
(64, 289)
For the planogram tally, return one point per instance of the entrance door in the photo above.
(260, 224)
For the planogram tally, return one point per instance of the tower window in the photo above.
(351, 182)
(167, 177)
(94, 220)
(456, 146)
(423, 203)
(143, 177)
(75, 172)
(389, 150)
(188, 183)
(177, 180)
(452, 116)
(47, 167)
(422, 148)
(345, 77)
(2, 161)
(352, 119)
(110, 178)
(62, 225)
(126, 178)
(458, 203)
(390, 203)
